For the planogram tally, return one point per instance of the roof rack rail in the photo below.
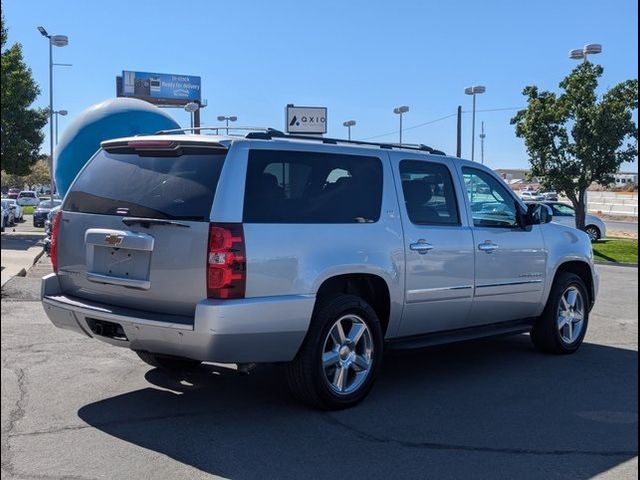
(215, 128)
(266, 133)
(271, 133)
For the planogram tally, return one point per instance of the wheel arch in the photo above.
(372, 288)
(581, 269)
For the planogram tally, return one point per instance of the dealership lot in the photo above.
(74, 407)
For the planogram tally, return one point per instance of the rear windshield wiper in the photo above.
(147, 222)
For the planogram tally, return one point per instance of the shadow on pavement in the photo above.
(17, 241)
(490, 409)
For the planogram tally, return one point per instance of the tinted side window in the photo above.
(491, 203)
(428, 193)
(309, 187)
(563, 210)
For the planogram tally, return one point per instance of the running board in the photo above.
(460, 335)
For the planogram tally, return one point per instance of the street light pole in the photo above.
(349, 124)
(192, 107)
(482, 137)
(57, 113)
(224, 118)
(582, 54)
(58, 41)
(473, 91)
(400, 111)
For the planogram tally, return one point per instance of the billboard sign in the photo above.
(161, 88)
(311, 120)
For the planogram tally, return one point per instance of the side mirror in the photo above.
(539, 214)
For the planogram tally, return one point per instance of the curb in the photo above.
(38, 257)
(616, 264)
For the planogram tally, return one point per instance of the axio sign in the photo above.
(311, 120)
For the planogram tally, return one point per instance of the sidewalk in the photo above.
(19, 253)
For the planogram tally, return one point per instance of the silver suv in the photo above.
(311, 252)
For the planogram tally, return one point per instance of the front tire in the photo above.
(563, 324)
(167, 362)
(341, 355)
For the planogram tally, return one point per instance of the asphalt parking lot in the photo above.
(77, 408)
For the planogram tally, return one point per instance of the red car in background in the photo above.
(13, 193)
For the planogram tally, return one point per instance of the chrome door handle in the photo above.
(421, 246)
(488, 246)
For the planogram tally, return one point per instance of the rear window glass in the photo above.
(49, 204)
(27, 195)
(146, 186)
(309, 187)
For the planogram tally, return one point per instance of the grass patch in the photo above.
(28, 209)
(619, 250)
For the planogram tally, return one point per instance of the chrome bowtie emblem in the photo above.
(113, 239)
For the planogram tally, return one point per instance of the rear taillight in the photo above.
(226, 262)
(53, 248)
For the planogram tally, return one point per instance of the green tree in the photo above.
(577, 138)
(39, 174)
(21, 126)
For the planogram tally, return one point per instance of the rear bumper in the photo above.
(256, 330)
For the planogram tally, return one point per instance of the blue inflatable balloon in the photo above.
(113, 118)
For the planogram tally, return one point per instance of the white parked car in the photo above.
(28, 198)
(566, 215)
(531, 196)
(18, 214)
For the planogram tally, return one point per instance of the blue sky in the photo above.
(358, 58)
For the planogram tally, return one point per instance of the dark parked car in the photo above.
(13, 193)
(40, 214)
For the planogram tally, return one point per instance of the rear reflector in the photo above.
(226, 262)
(55, 233)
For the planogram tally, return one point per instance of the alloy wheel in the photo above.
(571, 313)
(347, 355)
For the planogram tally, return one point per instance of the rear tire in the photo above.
(563, 324)
(166, 362)
(341, 355)
(593, 232)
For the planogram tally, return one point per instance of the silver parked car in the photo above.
(311, 252)
(566, 215)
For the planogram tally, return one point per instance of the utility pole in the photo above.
(459, 133)
(482, 137)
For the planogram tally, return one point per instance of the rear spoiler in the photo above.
(159, 147)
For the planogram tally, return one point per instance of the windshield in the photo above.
(127, 184)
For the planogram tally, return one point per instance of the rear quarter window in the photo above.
(311, 187)
(165, 187)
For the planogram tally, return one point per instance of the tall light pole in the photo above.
(584, 52)
(400, 111)
(349, 124)
(54, 41)
(473, 91)
(232, 118)
(191, 107)
(56, 113)
(482, 137)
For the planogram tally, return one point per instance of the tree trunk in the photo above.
(580, 204)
